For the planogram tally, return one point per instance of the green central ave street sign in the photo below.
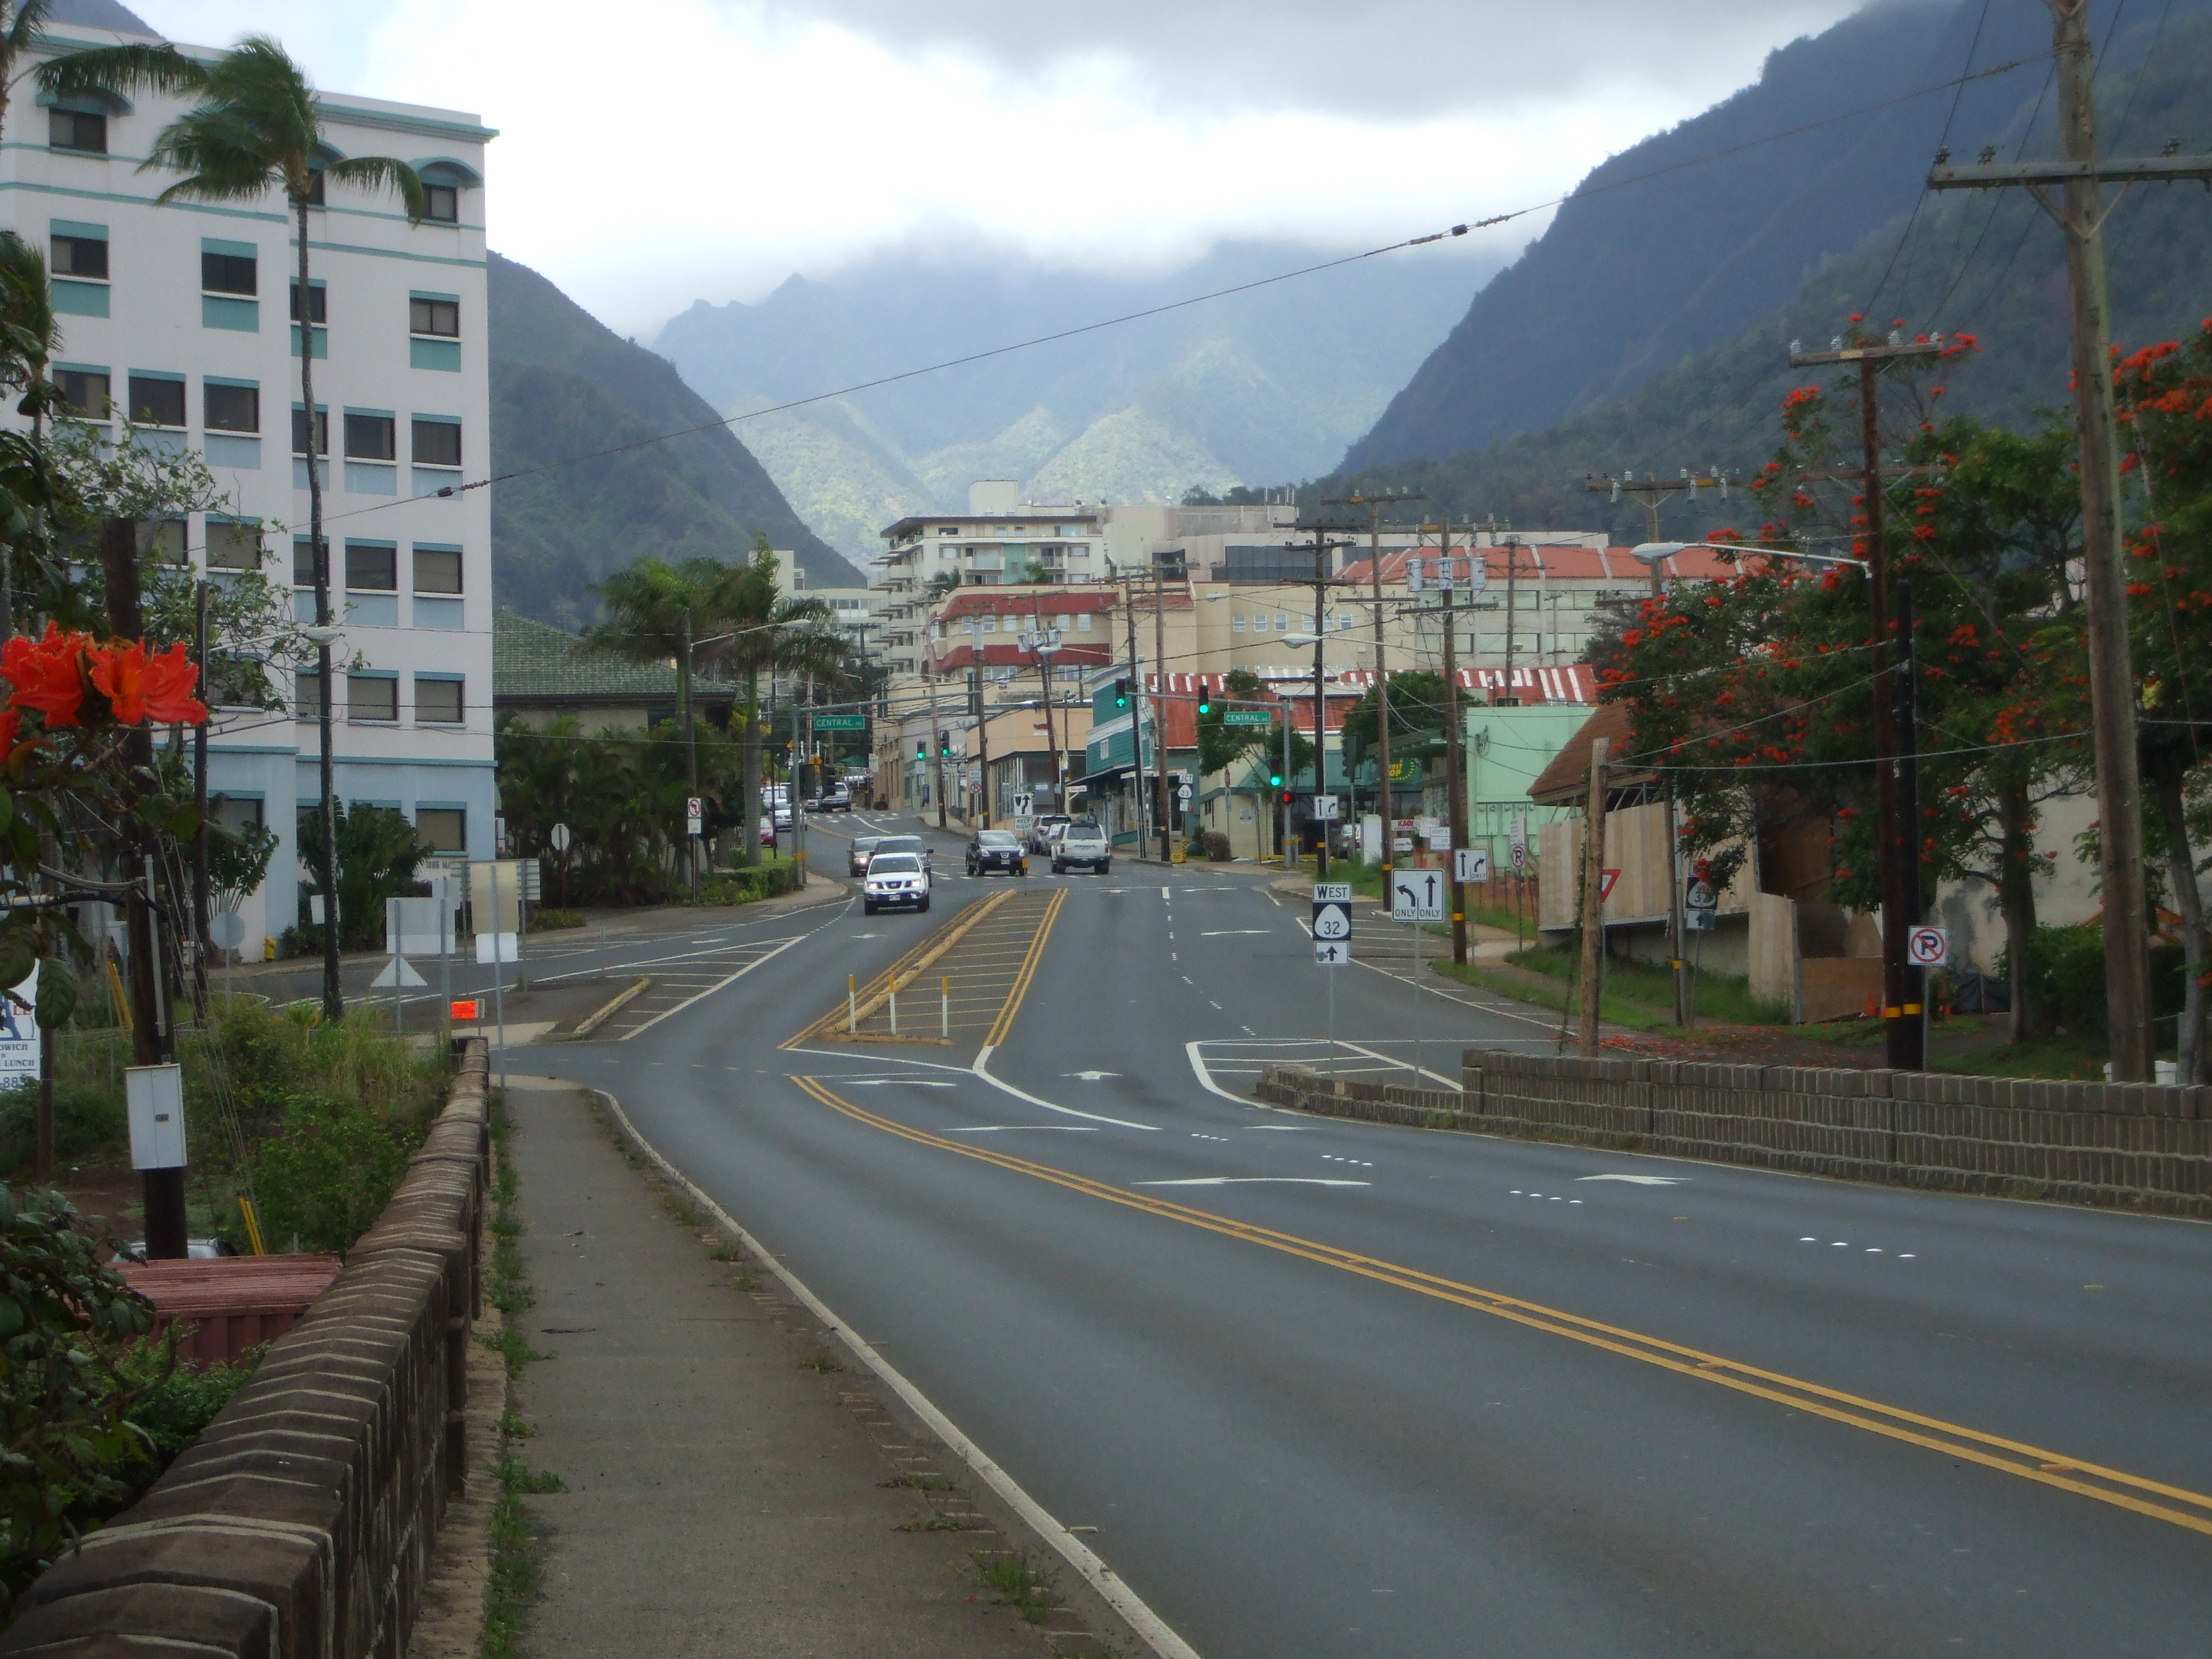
(1248, 717)
(840, 722)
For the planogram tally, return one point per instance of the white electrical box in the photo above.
(156, 1096)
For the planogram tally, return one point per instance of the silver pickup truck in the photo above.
(1083, 844)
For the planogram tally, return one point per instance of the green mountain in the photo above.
(563, 386)
(1268, 384)
(1990, 265)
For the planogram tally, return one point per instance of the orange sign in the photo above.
(467, 1010)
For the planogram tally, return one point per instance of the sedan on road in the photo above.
(994, 849)
(914, 844)
(894, 880)
(856, 862)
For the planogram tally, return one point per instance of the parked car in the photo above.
(895, 880)
(1084, 844)
(767, 830)
(837, 799)
(914, 844)
(996, 849)
(856, 862)
(1046, 830)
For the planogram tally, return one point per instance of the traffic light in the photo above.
(1204, 702)
(1274, 780)
(1120, 694)
(920, 750)
(944, 746)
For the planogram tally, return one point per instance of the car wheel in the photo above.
(1104, 865)
(868, 906)
(1058, 868)
(923, 908)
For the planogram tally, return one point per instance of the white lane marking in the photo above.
(981, 1068)
(1090, 1077)
(1212, 1004)
(1639, 1181)
(1236, 932)
(878, 1082)
(1282, 1128)
(1252, 1180)
(1002, 1128)
(1077, 1555)
(729, 979)
(1163, 894)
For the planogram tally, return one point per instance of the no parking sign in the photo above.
(1928, 947)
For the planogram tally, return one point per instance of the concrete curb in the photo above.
(615, 1005)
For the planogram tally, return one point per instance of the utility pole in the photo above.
(1160, 708)
(1136, 707)
(983, 746)
(1898, 864)
(936, 728)
(1908, 806)
(1321, 694)
(2080, 211)
(1512, 573)
(691, 754)
(1593, 900)
(200, 804)
(1455, 790)
(1375, 504)
(1682, 1001)
(1654, 490)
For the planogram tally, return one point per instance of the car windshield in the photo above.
(899, 844)
(995, 838)
(864, 843)
(894, 864)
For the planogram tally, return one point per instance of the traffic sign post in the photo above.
(1928, 947)
(1470, 863)
(1248, 717)
(695, 815)
(1332, 923)
(1700, 895)
(1417, 895)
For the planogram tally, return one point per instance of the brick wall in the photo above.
(301, 1523)
(2136, 1145)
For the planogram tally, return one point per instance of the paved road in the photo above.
(1331, 1389)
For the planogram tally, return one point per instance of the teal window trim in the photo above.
(249, 386)
(82, 229)
(440, 674)
(80, 369)
(313, 283)
(438, 547)
(299, 407)
(78, 297)
(223, 311)
(156, 374)
(87, 103)
(425, 294)
(439, 356)
(379, 414)
(441, 806)
(370, 541)
(435, 420)
(322, 340)
(40, 188)
(235, 250)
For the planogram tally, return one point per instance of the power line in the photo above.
(1921, 200)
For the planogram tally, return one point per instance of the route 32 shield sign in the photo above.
(1332, 922)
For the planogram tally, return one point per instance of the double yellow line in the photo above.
(2174, 1505)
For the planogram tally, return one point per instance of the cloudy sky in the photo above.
(658, 151)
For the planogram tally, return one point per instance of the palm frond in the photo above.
(127, 69)
(29, 27)
(384, 172)
(26, 307)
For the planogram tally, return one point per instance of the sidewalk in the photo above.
(722, 1497)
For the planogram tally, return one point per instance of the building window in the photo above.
(371, 569)
(77, 129)
(319, 302)
(235, 813)
(947, 529)
(307, 694)
(233, 546)
(164, 538)
(84, 391)
(1083, 623)
(437, 571)
(437, 443)
(1236, 626)
(439, 316)
(373, 697)
(80, 256)
(300, 432)
(230, 273)
(303, 561)
(157, 400)
(990, 624)
(371, 437)
(1282, 624)
(437, 702)
(442, 203)
(442, 829)
(231, 408)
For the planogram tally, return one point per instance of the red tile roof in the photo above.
(1565, 560)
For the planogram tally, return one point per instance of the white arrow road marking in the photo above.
(1091, 1077)
(1251, 1181)
(1639, 1181)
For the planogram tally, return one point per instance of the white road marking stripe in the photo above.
(1252, 1180)
(711, 989)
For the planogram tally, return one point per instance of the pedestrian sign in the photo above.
(1928, 947)
(1417, 895)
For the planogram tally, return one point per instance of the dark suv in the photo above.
(994, 849)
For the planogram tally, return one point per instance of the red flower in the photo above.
(46, 674)
(10, 728)
(170, 678)
(137, 685)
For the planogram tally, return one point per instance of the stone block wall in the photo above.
(300, 1524)
(2136, 1145)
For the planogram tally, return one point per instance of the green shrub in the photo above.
(327, 1173)
(87, 1120)
(547, 920)
(1216, 846)
(171, 1404)
(773, 876)
(2066, 978)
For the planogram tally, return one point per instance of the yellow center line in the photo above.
(1992, 1451)
(1027, 971)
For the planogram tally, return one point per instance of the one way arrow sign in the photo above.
(1329, 953)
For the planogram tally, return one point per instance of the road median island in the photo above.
(2125, 1146)
(849, 1022)
(735, 1475)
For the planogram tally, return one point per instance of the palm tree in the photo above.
(108, 70)
(731, 614)
(256, 128)
(28, 335)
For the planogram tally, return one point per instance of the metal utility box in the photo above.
(156, 1097)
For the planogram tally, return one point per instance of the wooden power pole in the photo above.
(1593, 900)
(1384, 807)
(2081, 210)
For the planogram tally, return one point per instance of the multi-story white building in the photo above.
(184, 317)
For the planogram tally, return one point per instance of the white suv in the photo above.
(1085, 844)
(895, 880)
